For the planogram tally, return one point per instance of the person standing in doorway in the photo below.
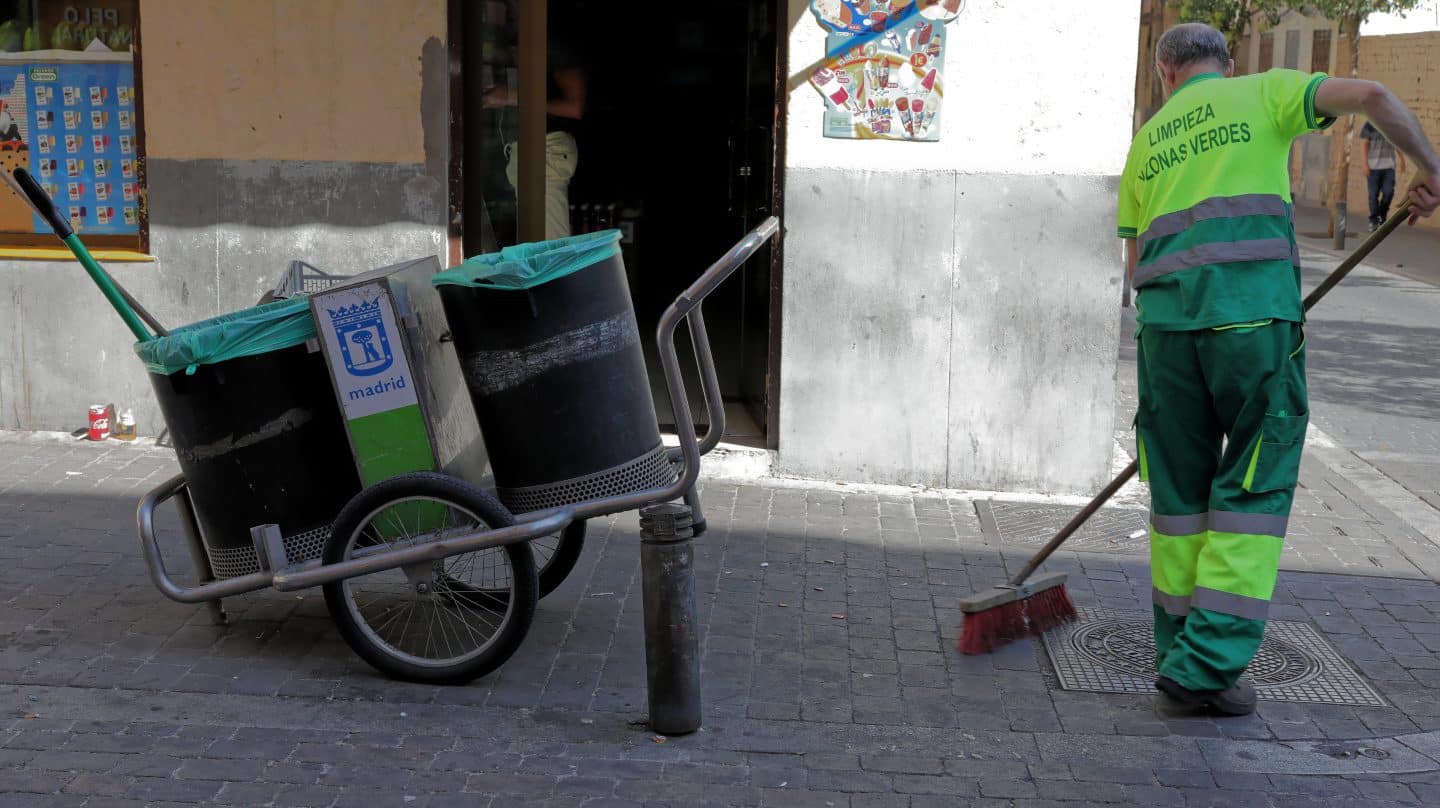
(564, 109)
(1206, 215)
(1381, 160)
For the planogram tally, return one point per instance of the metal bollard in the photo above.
(1340, 225)
(672, 648)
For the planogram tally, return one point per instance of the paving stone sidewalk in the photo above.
(831, 677)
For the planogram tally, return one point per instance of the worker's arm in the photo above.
(1365, 154)
(570, 104)
(1131, 258)
(1396, 122)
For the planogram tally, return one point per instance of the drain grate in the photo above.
(1026, 525)
(1114, 652)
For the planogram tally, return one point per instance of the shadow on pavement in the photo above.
(1377, 367)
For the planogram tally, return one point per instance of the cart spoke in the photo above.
(465, 601)
(453, 608)
(442, 615)
(472, 600)
(409, 608)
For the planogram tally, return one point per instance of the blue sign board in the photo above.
(80, 130)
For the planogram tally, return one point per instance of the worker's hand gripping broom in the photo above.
(1025, 607)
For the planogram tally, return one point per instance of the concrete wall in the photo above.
(951, 309)
(1409, 64)
(274, 131)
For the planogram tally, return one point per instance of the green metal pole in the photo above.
(107, 288)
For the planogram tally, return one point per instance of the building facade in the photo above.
(273, 132)
(939, 313)
(1408, 64)
(969, 342)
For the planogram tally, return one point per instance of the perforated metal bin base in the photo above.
(233, 562)
(1114, 652)
(651, 470)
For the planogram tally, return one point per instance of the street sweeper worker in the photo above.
(1205, 212)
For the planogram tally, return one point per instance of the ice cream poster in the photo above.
(83, 134)
(884, 77)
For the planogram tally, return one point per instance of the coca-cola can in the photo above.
(99, 422)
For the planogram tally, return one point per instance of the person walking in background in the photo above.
(1206, 214)
(1381, 160)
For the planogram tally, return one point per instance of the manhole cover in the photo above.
(1114, 652)
(1111, 530)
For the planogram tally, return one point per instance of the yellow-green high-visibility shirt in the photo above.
(1206, 193)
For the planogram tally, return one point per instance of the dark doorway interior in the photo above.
(677, 148)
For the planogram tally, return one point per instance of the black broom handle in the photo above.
(1311, 299)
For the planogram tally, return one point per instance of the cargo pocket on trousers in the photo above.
(1275, 465)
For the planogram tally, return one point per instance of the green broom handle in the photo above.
(1104, 496)
(45, 206)
(108, 288)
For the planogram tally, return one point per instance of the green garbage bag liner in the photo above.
(525, 266)
(248, 332)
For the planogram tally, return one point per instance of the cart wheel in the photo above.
(438, 622)
(557, 553)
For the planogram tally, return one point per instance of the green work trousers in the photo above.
(1221, 426)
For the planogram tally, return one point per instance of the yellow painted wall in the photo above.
(286, 79)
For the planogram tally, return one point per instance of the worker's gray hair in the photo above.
(1191, 42)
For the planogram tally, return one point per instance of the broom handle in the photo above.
(1360, 254)
(160, 330)
(1311, 299)
(119, 299)
(1075, 522)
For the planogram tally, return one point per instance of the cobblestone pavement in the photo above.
(830, 673)
(828, 624)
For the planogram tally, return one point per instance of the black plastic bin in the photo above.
(257, 431)
(548, 343)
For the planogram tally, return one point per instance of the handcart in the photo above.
(426, 573)
(555, 555)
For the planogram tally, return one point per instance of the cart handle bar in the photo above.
(700, 340)
(313, 573)
(687, 305)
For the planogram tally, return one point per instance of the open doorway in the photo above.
(677, 148)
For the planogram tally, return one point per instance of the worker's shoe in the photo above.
(1234, 701)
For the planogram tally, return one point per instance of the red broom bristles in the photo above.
(1050, 609)
(983, 632)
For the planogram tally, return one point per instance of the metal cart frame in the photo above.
(278, 573)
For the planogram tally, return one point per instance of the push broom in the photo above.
(1025, 607)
